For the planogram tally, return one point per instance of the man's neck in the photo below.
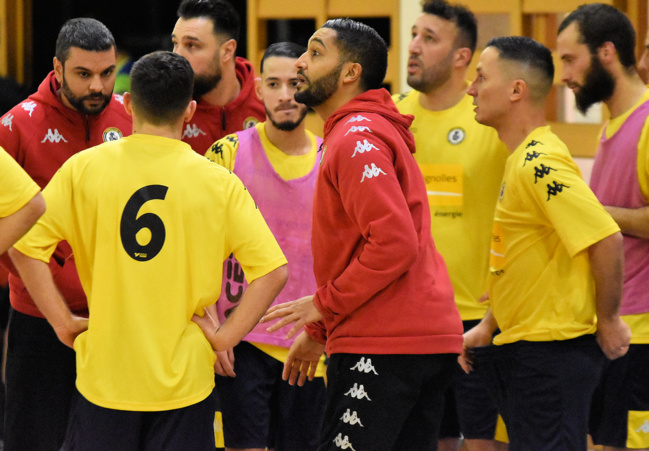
(295, 142)
(445, 96)
(518, 125)
(337, 100)
(628, 91)
(227, 89)
(173, 131)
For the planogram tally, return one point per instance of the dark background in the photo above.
(142, 26)
(139, 26)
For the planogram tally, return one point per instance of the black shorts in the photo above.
(543, 390)
(468, 408)
(261, 410)
(385, 402)
(96, 428)
(40, 376)
(620, 410)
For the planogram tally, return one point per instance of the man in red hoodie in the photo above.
(73, 109)
(384, 304)
(206, 35)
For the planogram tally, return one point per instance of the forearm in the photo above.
(256, 299)
(38, 280)
(607, 266)
(488, 323)
(632, 221)
(16, 225)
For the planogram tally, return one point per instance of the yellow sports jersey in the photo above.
(541, 287)
(462, 163)
(150, 222)
(16, 187)
(639, 323)
(288, 167)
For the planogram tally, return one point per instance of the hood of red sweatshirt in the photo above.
(375, 101)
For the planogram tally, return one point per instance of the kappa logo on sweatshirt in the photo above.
(6, 121)
(363, 146)
(359, 128)
(54, 136)
(358, 118)
(192, 131)
(29, 107)
(370, 172)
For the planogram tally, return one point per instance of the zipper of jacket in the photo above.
(223, 118)
(87, 129)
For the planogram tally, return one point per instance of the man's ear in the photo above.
(258, 88)
(462, 57)
(518, 90)
(58, 70)
(128, 106)
(189, 111)
(607, 53)
(351, 72)
(228, 50)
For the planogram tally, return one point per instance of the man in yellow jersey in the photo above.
(277, 161)
(596, 44)
(462, 162)
(556, 262)
(21, 203)
(148, 220)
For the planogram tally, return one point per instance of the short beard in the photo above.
(286, 126)
(77, 102)
(205, 83)
(598, 86)
(320, 90)
(434, 78)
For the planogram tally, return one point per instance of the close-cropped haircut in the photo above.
(162, 84)
(463, 19)
(282, 50)
(599, 23)
(360, 43)
(222, 14)
(534, 61)
(84, 33)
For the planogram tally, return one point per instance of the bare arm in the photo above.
(632, 221)
(38, 279)
(480, 335)
(254, 303)
(607, 265)
(14, 226)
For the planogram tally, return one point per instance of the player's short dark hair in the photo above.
(530, 55)
(599, 23)
(222, 14)
(461, 16)
(360, 43)
(162, 84)
(84, 33)
(282, 49)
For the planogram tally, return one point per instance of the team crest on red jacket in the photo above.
(112, 134)
(249, 122)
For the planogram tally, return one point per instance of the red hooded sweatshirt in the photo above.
(41, 133)
(211, 123)
(382, 286)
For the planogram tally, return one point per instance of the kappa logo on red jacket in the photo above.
(192, 131)
(54, 136)
(29, 106)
